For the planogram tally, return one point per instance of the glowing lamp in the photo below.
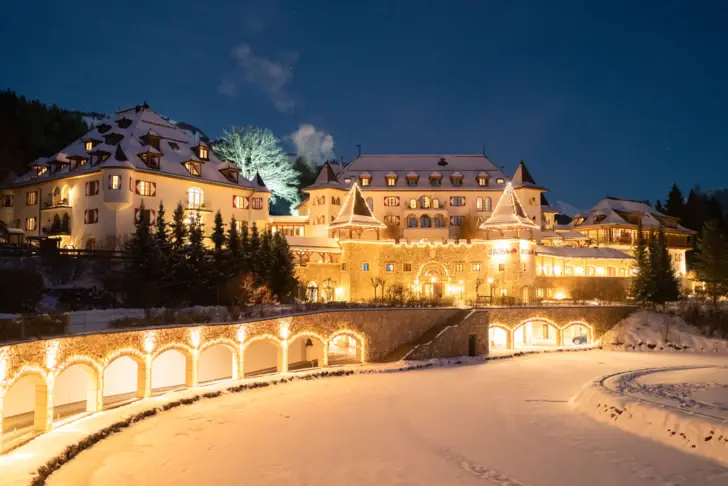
(284, 330)
(195, 337)
(560, 296)
(52, 354)
(490, 280)
(149, 341)
(433, 279)
(579, 270)
(460, 282)
(240, 334)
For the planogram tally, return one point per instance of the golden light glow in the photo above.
(579, 270)
(560, 295)
(52, 354)
(195, 337)
(240, 333)
(150, 340)
(433, 279)
(284, 330)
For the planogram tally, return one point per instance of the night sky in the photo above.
(609, 99)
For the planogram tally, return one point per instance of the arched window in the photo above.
(312, 292)
(488, 204)
(56, 196)
(195, 198)
(436, 204)
(479, 204)
(412, 222)
(370, 203)
(425, 221)
(425, 202)
(438, 221)
(413, 204)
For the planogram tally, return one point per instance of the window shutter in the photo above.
(87, 191)
(152, 216)
(85, 213)
(463, 200)
(136, 187)
(451, 220)
(154, 189)
(234, 200)
(110, 177)
(246, 203)
(131, 184)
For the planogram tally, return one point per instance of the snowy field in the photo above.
(504, 423)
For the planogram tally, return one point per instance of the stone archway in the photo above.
(539, 332)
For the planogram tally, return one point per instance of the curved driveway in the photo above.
(503, 423)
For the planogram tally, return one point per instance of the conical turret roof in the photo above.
(523, 178)
(326, 178)
(355, 212)
(508, 213)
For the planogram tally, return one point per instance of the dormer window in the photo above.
(174, 146)
(104, 127)
(124, 123)
(579, 220)
(89, 145)
(365, 180)
(412, 179)
(151, 159)
(347, 180)
(113, 138)
(500, 180)
(231, 174)
(436, 179)
(194, 168)
(482, 180)
(151, 139)
(203, 152)
(456, 179)
(391, 179)
(40, 170)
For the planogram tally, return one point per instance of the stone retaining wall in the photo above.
(599, 318)
(454, 340)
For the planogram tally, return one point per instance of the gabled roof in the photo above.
(355, 212)
(508, 213)
(625, 212)
(326, 178)
(133, 124)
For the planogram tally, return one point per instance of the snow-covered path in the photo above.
(503, 423)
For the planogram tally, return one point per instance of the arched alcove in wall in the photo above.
(305, 351)
(216, 362)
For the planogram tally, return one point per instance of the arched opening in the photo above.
(498, 338)
(536, 333)
(488, 205)
(345, 348)
(75, 391)
(261, 357)
(436, 204)
(305, 351)
(425, 221)
(169, 371)
(438, 221)
(424, 202)
(56, 196)
(577, 334)
(412, 221)
(216, 362)
(370, 203)
(122, 381)
(25, 406)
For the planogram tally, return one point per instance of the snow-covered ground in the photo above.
(684, 407)
(506, 422)
(659, 331)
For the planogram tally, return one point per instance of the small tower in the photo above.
(325, 198)
(355, 216)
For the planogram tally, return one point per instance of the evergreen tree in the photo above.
(234, 250)
(218, 233)
(666, 287)
(161, 236)
(711, 260)
(642, 281)
(252, 263)
(675, 204)
(196, 274)
(163, 254)
(141, 272)
(245, 260)
(282, 279)
(179, 228)
(264, 258)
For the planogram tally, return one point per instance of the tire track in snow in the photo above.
(477, 470)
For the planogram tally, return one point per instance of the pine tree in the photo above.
(711, 260)
(253, 254)
(265, 257)
(197, 275)
(164, 249)
(234, 251)
(161, 236)
(141, 272)
(666, 287)
(642, 281)
(282, 279)
(179, 228)
(218, 233)
(245, 260)
(675, 204)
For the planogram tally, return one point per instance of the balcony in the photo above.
(55, 204)
(199, 208)
(58, 230)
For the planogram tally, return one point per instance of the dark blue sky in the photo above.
(615, 98)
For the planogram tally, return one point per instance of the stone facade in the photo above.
(455, 340)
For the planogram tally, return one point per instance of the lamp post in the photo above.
(461, 289)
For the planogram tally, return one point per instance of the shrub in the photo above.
(32, 327)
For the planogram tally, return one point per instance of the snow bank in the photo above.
(667, 414)
(659, 331)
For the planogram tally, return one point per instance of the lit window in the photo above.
(488, 204)
(503, 292)
(479, 204)
(239, 202)
(436, 204)
(499, 180)
(145, 188)
(475, 267)
(40, 170)
(365, 181)
(31, 198)
(391, 181)
(193, 168)
(391, 201)
(203, 152)
(425, 202)
(425, 221)
(257, 202)
(501, 267)
(539, 292)
(457, 201)
(30, 224)
(92, 188)
(407, 267)
(459, 267)
(89, 145)
(115, 182)
(392, 220)
(412, 204)
(389, 267)
(195, 198)
(91, 216)
(364, 267)
(482, 181)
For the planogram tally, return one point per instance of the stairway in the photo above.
(428, 336)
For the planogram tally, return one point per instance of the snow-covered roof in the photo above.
(313, 243)
(423, 167)
(523, 178)
(326, 178)
(143, 121)
(614, 211)
(508, 213)
(355, 212)
(594, 253)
